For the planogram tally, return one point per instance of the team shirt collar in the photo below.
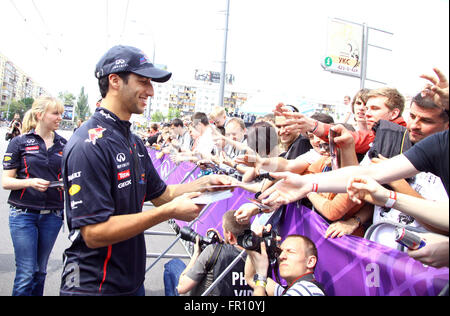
(111, 119)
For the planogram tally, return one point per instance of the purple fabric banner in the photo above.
(347, 266)
(212, 217)
(355, 266)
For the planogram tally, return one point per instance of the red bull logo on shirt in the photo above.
(94, 134)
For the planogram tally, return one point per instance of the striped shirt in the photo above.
(302, 287)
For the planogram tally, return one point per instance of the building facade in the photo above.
(191, 97)
(15, 84)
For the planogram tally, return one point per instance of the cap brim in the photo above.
(156, 74)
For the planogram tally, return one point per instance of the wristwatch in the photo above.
(260, 280)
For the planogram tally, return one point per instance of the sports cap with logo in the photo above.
(129, 59)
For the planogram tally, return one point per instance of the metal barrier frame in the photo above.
(232, 264)
(164, 254)
(178, 237)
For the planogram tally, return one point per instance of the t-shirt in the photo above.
(107, 172)
(300, 146)
(233, 284)
(432, 155)
(302, 287)
(205, 143)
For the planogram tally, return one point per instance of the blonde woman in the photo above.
(31, 162)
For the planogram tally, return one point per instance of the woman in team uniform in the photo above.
(31, 170)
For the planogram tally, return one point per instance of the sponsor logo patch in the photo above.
(74, 189)
(94, 134)
(32, 148)
(123, 175)
(74, 175)
(124, 184)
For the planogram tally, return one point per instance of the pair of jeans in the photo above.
(33, 236)
(172, 272)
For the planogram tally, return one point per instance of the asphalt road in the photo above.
(154, 284)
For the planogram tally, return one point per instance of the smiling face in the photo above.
(286, 136)
(134, 94)
(50, 118)
(425, 122)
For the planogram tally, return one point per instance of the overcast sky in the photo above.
(274, 46)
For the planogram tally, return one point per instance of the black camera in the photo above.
(188, 234)
(250, 241)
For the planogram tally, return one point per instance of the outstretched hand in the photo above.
(362, 188)
(290, 188)
(437, 89)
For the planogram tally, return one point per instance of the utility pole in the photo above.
(365, 44)
(224, 59)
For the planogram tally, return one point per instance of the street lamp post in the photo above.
(224, 59)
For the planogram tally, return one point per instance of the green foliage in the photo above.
(67, 97)
(82, 110)
(18, 107)
(158, 116)
(173, 113)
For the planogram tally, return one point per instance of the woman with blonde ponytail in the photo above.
(31, 170)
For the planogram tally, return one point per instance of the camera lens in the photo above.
(248, 240)
(189, 234)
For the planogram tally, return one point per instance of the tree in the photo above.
(173, 113)
(67, 97)
(82, 109)
(158, 116)
(20, 107)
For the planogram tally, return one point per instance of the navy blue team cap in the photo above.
(129, 59)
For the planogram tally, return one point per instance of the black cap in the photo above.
(129, 59)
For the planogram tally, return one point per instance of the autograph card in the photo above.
(212, 197)
(56, 184)
(259, 204)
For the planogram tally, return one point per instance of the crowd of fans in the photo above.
(289, 145)
(368, 176)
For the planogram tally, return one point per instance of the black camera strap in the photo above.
(213, 259)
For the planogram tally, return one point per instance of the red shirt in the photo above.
(363, 139)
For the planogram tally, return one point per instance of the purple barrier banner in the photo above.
(212, 218)
(156, 162)
(166, 168)
(355, 266)
(347, 266)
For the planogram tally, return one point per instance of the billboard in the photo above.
(212, 76)
(344, 48)
(68, 112)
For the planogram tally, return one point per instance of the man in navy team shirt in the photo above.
(108, 176)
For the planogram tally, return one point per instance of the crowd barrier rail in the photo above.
(347, 266)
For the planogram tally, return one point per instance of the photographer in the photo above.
(297, 262)
(205, 266)
(15, 127)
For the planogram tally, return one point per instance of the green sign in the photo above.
(328, 61)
